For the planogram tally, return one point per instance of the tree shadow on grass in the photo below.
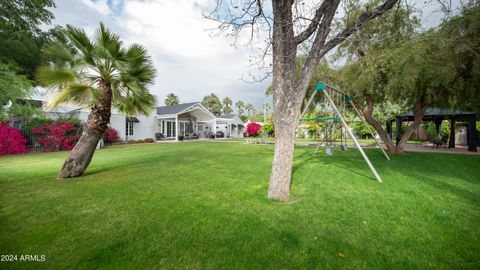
(452, 174)
(347, 162)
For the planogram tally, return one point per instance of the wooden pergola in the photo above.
(436, 116)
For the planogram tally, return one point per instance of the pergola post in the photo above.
(398, 129)
(451, 140)
(472, 134)
(438, 125)
(389, 128)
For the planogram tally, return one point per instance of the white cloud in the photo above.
(100, 6)
(190, 62)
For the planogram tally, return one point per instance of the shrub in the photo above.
(269, 129)
(11, 140)
(140, 141)
(56, 136)
(110, 136)
(253, 129)
(148, 140)
(132, 141)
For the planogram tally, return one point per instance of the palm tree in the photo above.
(249, 107)
(266, 107)
(240, 106)
(172, 99)
(98, 74)
(227, 105)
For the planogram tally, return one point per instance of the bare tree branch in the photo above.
(313, 24)
(362, 19)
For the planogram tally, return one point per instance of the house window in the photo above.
(129, 128)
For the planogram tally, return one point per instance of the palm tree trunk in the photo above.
(97, 123)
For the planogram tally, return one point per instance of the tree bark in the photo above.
(368, 113)
(418, 114)
(97, 123)
(285, 107)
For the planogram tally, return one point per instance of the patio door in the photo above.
(169, 129)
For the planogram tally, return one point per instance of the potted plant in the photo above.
(180, 137)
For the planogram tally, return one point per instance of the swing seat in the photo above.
(343, 147)
(329, 151)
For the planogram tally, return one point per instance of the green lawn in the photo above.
(203, 205)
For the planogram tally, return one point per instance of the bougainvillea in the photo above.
(11, 140)
(253, 129)
(110, 136)
(57, 136)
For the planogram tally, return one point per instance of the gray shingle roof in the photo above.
(174, 109)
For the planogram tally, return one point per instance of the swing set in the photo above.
(335, 101)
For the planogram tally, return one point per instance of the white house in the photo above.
(231, 125)
(189, 120)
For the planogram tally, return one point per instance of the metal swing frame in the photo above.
(323, 87)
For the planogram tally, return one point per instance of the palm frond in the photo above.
(108, 44)
(76, 93)
(53, 76)
(57, 51)
(135, 104)
(81, 42)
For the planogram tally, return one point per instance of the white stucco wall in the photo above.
(146, 128)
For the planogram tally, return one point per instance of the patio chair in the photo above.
(159, 136)
(195, 136)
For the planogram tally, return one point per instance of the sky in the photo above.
(190, 61)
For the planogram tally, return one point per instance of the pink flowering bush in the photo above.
(11, 140)
(56, 136)
(110, 136)
(253, 129)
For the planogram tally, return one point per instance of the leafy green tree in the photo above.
(437, 68)
(13, 89)
(172, 99)
(240, 106)
(99, 74)
(212, 103)
(461, 36)
(25, 14)
(375, 35)
(371, 52)
(227, 105)
(20, 35)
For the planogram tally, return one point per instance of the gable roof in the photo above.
(174, 109)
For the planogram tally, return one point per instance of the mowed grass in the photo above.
(203, 205)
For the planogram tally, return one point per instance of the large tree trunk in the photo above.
(97, 123)
(368, 114)
(418, 113)
(284, 101)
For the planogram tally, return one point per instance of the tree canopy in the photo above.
(212, 103)
(80, 66)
